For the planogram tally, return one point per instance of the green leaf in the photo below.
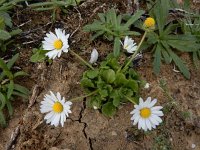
(38, 56)
(157, 59)
(20, 73)
(9, 106)
(109, 75)
(161, 10)
(92, 73)
(3, 101)
(196, 61)
(184, 46)
(133, 85)
(116, 98)
(108, 109)
(134, 18)
(180, 64)
(4, 35)
(21, 89)
(103, 93)
(5, 69)
(99, 33)
(10, 89)
(2, 119)
(15, 32)
(120, 79)
(102, 17)
(12, 60)
(117, 46)
(85, 82)
(20, 94)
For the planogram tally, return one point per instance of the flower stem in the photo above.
(136, 52)
(81, 97)
(131, 100)
(81, 59)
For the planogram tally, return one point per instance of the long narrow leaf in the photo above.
(134, 18)
(2, 119)
(3, 101)
(180, 64)
(10, 89)
(157, 60)
(116, 47)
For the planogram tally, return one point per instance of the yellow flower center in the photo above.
(58, 44)
(57, 107)
(145, 112)
(149, 22)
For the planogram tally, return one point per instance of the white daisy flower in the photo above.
(146, 115)
(129, 45)
(56, 108)
(94, 56)
(56, 43)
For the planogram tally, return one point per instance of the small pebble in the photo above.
(114, 133)
(193, 146)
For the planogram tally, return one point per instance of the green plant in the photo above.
(54, 5)
(6, 22)
(190, 26)
(166, 42)
(8, 87)
(111, 27)
(110, 87)
(38, 55)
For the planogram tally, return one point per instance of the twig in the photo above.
(79, 23)
(34, 95)
(13, 138)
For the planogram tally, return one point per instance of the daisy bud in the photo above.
(94, 56)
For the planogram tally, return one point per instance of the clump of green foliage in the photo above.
(166, 42)
(54, 5)
(6, 23)
(111, 27)
(112, 87)
(8, 87)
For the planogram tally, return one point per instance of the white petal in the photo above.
(153, 103)
(94, 56)
(49, 115)
(148, 124)
(147, 102)
(140, 123)
(62, 119)
(52, 54)
(153, 121)
(136, 120)
(158, 113)
(59, 33)
(143, 124)
(68, 103)
(51, 118)
(135, 115)
(156, 108)
(45, 110)
(58, 96)
(56, 120)
(135, 111)
(53, 96)
(51, 36)
(158, 119)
